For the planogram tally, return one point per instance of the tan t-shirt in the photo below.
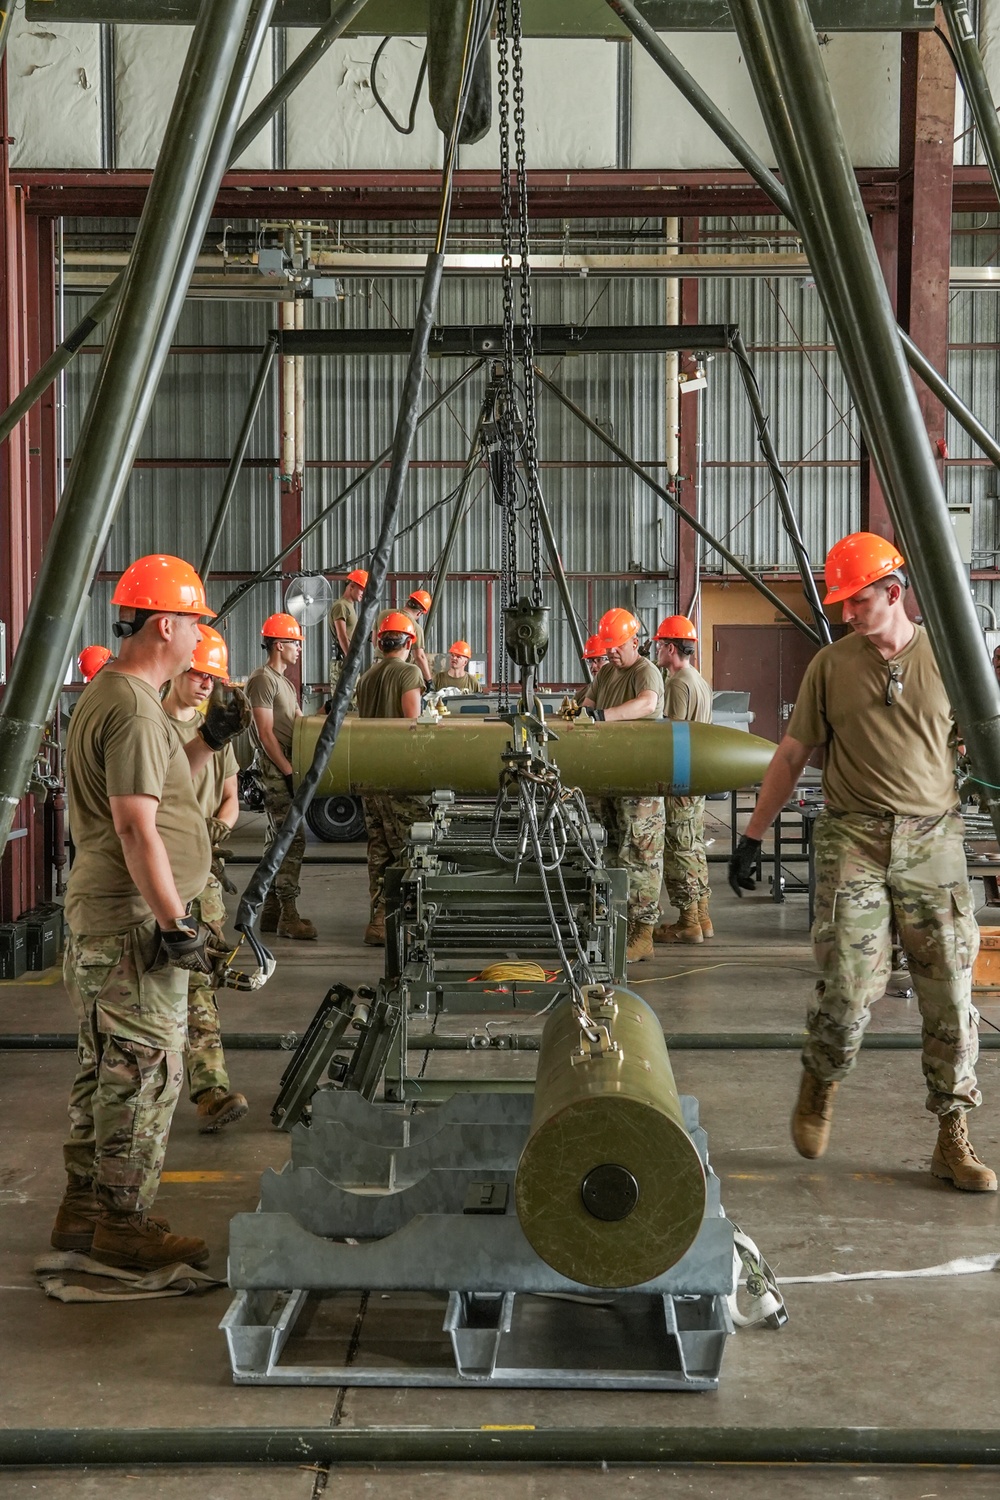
(343, 609)
(464, 684)
(120, 744)
(686, 695)
(267, 688)
(898, 759)
(378, 626)
(210, 782)
(381, 689)
(616, 685)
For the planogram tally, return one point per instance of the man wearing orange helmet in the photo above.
(595, 654)
(457, 674)
(630, 687)
(216, 791)
(343, 619)
(390, 689)
(416, 606)
(889, 844)
(687, 698)
(275, 709)
(91, 660)
(142, 856)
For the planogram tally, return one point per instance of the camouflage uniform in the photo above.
(277, 801)
(870, 868)
(388, 820)
(205, 1060)
(130, 1056)
(634, 828)
(685, 868)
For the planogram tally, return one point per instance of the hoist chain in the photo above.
(529, 456)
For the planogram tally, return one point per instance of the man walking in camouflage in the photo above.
(390, 689)
(687, 699)
(889, 843)
(630, 687)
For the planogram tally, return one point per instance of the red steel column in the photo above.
(290, 409)
(16, 867)
(926, 180)
(874, 510)
(686, 540)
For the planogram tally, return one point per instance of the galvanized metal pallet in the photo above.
(464, 1299)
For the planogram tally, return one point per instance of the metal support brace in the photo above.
(458, 515)
(975, 83)
(784, 63)
(239, 454)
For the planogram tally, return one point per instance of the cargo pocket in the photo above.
(965, 929)
(93, 966)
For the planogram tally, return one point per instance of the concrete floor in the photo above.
(911, 1354)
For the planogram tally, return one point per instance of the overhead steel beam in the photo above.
(786, 68)
(473, 342)
(223, 52)
(554, 18)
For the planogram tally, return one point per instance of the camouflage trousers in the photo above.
(205, 1061)
(388, 821)
(685, 868)
(129, 1063)
(277, 801)
(869, 870)
(336, 669)
(634, 829)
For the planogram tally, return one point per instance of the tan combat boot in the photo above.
(375, 931)
(218, 1107)
(687, 928)
(707, 930)
(640, 942)
(813, 1115)
(135, 1242)
(78, 1214)
(291, 925)
(270, 912)
(955, 1158)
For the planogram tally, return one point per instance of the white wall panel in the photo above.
(55, 95)
(570, 107)
(666, 132)
(148, 63)
(333, 120)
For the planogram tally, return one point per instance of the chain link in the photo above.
(529, 455)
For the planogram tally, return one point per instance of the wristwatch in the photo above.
(185, 924)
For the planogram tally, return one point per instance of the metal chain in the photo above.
(529, 457)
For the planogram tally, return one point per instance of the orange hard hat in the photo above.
(360, 577)
(396, 623)
(460, 648)
(91, 660)
(281, 628)
(421, 597)
(161, 582)
(856, 561)
(617, 627)
(676, 628)
(596, 647)
(211, 654)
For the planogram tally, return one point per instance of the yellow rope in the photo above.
(496, 972)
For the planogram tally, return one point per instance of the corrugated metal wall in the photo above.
(608, 523)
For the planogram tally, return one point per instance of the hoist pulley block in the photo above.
(526, 632)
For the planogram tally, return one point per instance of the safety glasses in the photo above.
(894, 686)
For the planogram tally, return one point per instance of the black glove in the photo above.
(184, 946)
(743, 864)
(428, 684)
(289, 782)
(228, 713)
(598, 714)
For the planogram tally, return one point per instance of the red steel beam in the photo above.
(874, 509)
(415, 195)
(686, 541)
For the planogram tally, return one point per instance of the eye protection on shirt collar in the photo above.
(895, 684)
